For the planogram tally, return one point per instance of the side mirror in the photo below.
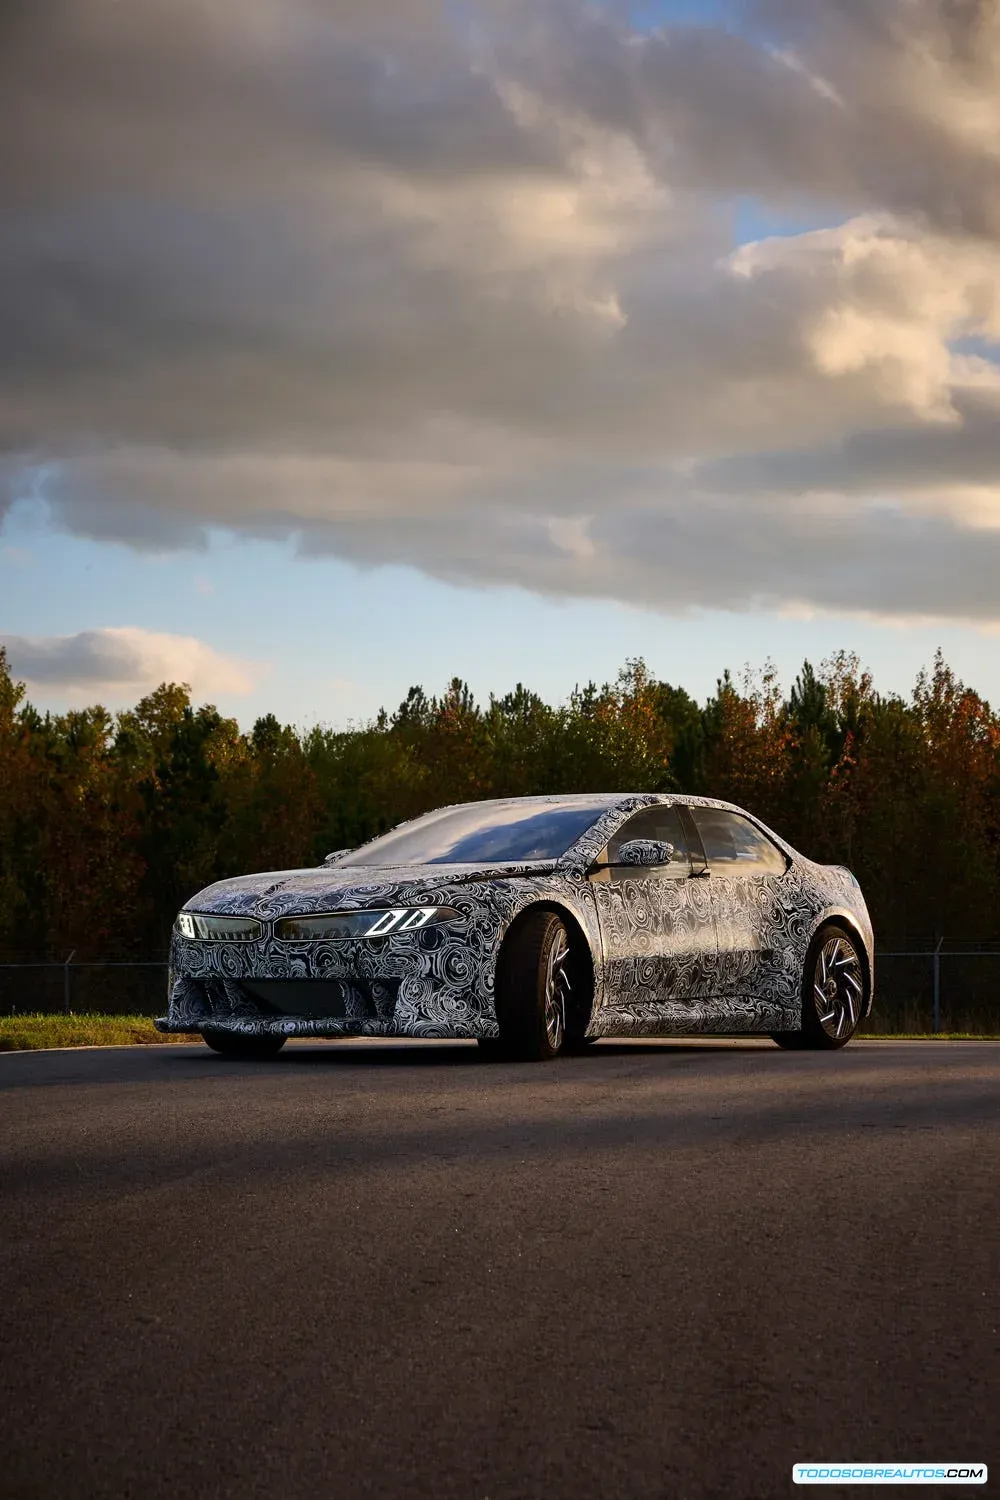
(331, 859)
(646, 852)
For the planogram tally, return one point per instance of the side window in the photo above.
(662, 823)
(733, 846)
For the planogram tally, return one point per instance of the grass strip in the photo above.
(927, 1036)
(28, 1032)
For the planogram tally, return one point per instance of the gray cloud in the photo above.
(455, 289)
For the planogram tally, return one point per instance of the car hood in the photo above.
(283, 892)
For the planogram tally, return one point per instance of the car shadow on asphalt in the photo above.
(406, 1054)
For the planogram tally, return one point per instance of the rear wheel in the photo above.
(534, 988)
(833, 992)
(244, 1048)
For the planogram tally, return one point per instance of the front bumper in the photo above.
(428, 984)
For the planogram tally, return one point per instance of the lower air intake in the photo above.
(335, 999)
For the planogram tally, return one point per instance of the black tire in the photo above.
(834, 992)
(533, 987)
(243, 1048)
(575, 1044)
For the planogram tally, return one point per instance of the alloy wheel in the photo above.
(557, 991)
(838, 987)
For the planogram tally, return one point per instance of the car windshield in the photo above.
(483, 833)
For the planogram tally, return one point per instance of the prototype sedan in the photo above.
(534, 925)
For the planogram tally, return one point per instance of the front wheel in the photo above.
(833, 993)
(243, 1048)
(534, 987)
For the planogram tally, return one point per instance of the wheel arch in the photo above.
(580, 947)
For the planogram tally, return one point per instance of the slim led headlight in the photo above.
(362, 924)
(212, 929)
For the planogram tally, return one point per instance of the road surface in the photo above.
(664, 1270)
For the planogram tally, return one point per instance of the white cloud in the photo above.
(124, 660)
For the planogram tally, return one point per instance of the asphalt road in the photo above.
(658, 1270)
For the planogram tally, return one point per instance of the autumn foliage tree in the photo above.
(108, 822)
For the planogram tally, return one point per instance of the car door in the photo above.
(657, 924)
(745, 870)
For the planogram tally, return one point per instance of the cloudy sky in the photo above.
(349, 346)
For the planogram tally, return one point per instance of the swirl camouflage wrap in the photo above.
(714, 940)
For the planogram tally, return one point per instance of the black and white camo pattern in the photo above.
(670, 956)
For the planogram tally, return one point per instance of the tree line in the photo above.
(110, 821)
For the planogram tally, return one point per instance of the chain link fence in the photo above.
(930, 989)
(944, 986)
(126, 988)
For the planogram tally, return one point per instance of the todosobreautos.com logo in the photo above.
(916, 1473)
